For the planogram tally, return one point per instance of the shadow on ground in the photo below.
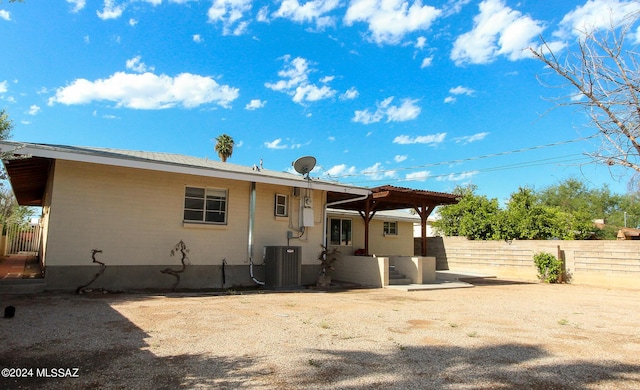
(111, 352)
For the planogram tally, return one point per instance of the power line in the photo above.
(525, 164)
(458, 161)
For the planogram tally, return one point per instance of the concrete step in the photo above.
(399, 281)
(21, 286)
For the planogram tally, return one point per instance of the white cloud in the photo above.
(132, 22)
(255, 104)
(426, 62)
(400, 158)
(458, 176)
(147, 91)
(295, 82)
(5, 15)
(340, 170)
(407, 110)
(420, 42)
(311, 11)
(275, 144)
(350, 94)
(454, 6)
(418, 176)
(34, 110)
(497, 30)
(595, 15)
(471, 138)
(390, 20)
(460, 90)
(263, 15)
(135, 64)
(230, 14)
(111, 10)
(431, 139)
(197, 38)
(3, 86)
(77, 5)
(377, 172)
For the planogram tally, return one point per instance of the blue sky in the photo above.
(423, 94)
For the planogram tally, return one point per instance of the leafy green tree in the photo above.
(587, 205)
(224, 146)
(6, 125)
(526, 217)
(11, 212)
(473, 217)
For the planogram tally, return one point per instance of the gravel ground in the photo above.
(499, 334)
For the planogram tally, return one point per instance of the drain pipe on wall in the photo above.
(326, 206)
(252, 218)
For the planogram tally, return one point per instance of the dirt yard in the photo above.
(499, 334)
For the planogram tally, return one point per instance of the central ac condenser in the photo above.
(283, 267)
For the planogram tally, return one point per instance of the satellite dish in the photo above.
(304, 165)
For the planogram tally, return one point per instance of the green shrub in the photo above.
(549, 267)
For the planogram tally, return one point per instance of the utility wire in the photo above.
(526, 164)
(458, 161)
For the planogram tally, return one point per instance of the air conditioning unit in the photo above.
(283, 267)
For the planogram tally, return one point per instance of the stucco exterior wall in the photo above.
(135, 217)
(379, 244)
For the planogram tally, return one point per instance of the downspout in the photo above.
(324, 220)
(252, 218)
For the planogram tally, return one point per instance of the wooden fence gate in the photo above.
(23, 239)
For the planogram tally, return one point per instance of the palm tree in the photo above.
(224, 146)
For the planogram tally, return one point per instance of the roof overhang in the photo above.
(394, 198)
(29, 172)
(28, 178)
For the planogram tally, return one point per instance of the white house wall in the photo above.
(135, 217)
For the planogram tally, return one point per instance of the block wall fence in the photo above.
(614, 264)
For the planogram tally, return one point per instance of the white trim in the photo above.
(59, 152)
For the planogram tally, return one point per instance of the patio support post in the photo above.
(424, 211)
(367, 215)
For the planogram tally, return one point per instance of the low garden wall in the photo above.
(364, 270)
(605, 263)
(374, 271)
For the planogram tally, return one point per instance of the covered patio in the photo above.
(389, 197)
(382, 271)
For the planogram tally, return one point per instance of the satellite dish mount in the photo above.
(304, 165)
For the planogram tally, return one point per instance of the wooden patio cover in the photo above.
(394, 198)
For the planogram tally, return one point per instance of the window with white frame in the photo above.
(340, 232)
(205, 205)
(280, 208)
(390, 228)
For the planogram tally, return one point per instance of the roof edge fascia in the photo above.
(25, 148)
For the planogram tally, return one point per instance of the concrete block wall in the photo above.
(603, 263)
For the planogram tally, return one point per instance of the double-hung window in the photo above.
(280, 208)
(340, 232)
(205, 205)
(390, 228)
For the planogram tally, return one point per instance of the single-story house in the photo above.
(136, 207)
